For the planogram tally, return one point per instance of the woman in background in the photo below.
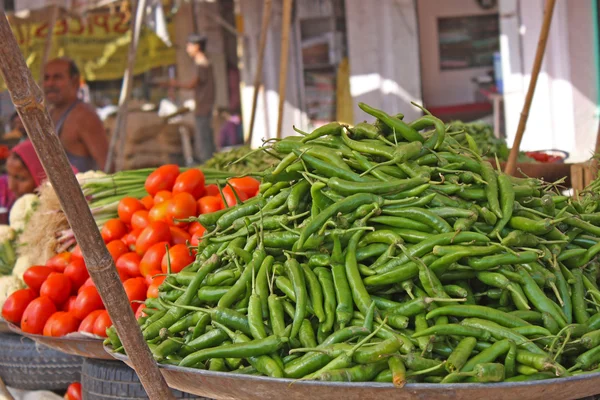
(24, 175)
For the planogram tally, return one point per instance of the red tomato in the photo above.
(181, 206)
(194, 227)
(131, 238)
(153, 258)
(152, 234)
(140, 219)
(69, 304)
(136, 290)
(151, 275)
(128, 206)
(247, 184)
(210, 204)
(129, 263)
(163, 178)
(123, 276)
(36, 314)
(76, 253)
(87, 325)
(152, 292)
(211, 190)
(161, 196)
(77, 273)
(179, 256)
(190, 181)
(178, 235)
(60, 261)
(116, 248)
(102, 323)
(140, 311)
(148, 202)
(16, 303)
(196, 239)
(113, 229)
(88, 283)
(74, 391)
(36, 275)
(88, 300)
(230, 197)
(61, 323)
(57, 287)
(159, 212)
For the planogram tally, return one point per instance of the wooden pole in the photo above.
(283, 60)
(48, 45)
(266, 18)
(511, 165)
(117, 139)
(29, 102)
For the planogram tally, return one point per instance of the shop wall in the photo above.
(383, 51)
(562, 112)
(583, 78)
(265, 126)
(444, 88)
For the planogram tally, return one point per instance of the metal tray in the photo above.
(76, 346)
(221, 385)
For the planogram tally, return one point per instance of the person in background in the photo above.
(203, 85)
(77, 124)
(17, 130)
(24, 175)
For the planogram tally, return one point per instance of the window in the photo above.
(468, 42)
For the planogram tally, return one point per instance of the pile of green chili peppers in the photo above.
(387, 252)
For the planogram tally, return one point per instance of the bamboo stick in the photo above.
(283, 60)
(511, 165)
(266, 18)
(29, 102)
(117, 139)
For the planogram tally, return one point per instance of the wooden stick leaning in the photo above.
(511, 165)
(266, 18)
(29, 102)
(117, 140)
(283, 60)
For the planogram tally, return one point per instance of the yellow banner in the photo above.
(98, 44)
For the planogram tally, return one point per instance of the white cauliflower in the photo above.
(9, 285)
(21, 265)
(22, 210)
(6, 233)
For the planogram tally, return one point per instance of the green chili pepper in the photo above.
(176, 313)
(294, 272)
(461, 354)
(315, 291)
(395, 124)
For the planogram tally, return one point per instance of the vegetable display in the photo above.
(146, 239)
(489, 145)
(240, 160)
(47, 232)
(387, 252)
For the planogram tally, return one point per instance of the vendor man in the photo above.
(203, 85)
(77, 125)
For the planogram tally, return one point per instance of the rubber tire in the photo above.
(112, 380)
(29, 366)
